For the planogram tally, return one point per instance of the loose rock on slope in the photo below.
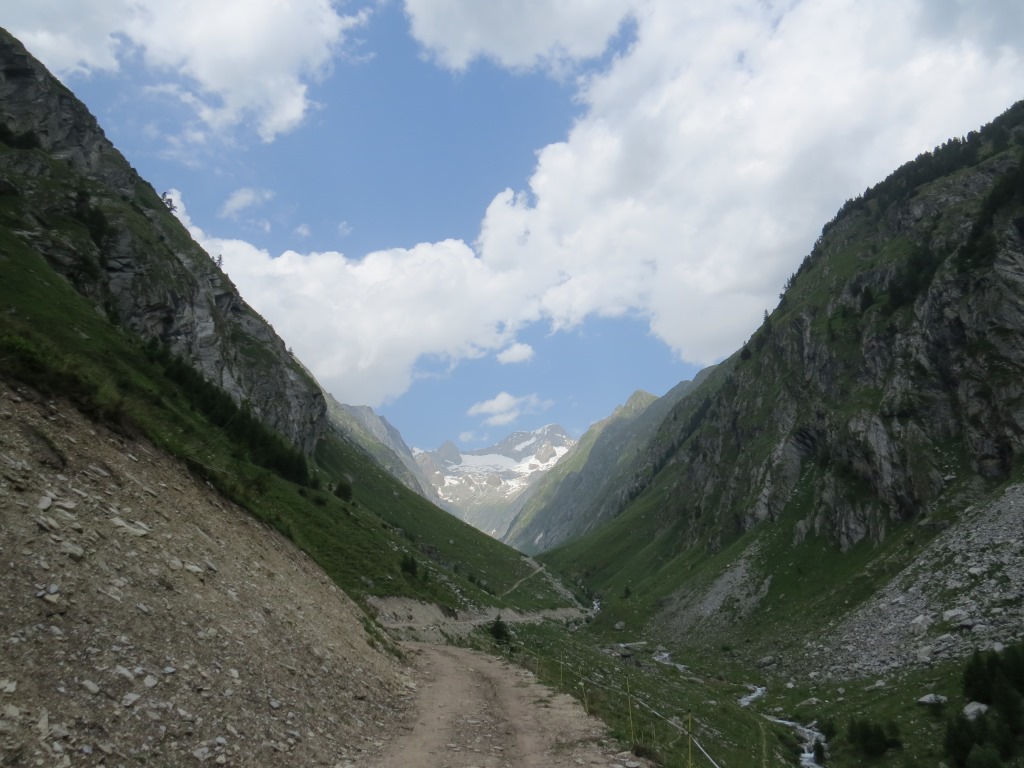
(144, 619)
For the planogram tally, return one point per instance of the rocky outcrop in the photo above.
(108, 232)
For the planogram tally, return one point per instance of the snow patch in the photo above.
(527, 444)
(492, 461)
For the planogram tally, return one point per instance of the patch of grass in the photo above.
(650, 707)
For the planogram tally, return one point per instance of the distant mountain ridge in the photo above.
(583, 491)
(483, 486)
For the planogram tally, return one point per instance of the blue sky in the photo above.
(481, 217)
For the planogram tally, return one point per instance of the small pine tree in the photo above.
(819, 752)
(499, 631)
(867, 298)
(343, 490)
(978, 679)
(1008, 703)
(409, 565)
(959, 739)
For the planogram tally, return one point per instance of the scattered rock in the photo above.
(73, 551)
(975, 709)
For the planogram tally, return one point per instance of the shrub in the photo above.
(499, 631)
(409, 565)
(984, 756)
(871, 739)
(343, 490)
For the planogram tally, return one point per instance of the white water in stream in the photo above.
(755, 694)
(805, 733)
(807, 736)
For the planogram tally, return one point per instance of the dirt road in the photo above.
(475, 711)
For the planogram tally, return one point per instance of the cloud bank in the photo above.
(709, 155)
(713, 144)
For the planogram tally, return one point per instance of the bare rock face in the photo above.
(125, 250)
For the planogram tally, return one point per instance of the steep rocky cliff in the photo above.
(116, 241)
(892, 364)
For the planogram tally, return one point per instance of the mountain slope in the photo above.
(382, 441)
(583, 491)
(107, 301)
(484, 486)
(87, 211)
(878, 401)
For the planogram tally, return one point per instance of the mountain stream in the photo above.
(806, 733)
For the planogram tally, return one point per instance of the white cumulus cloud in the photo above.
(516, 353)
(712, 151)
(230, 61)
(244, 198)
(546, 33)
(505, 408)
(708, 154)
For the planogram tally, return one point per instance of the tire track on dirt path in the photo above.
(476, 711)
